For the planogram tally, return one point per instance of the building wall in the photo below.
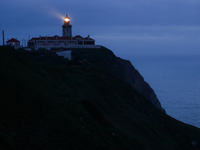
(84, 46)
(65, 54)
(67, 30)
(37, 47)
(16, 45)
(48, 44)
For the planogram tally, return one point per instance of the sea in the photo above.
(176, 81)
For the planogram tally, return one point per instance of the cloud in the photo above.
(148, 32)
(142, 25)
(151, 40)
(112, 12)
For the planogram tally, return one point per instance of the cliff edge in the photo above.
(118, 67)
(48, 102)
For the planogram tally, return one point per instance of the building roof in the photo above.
(12, 40)
(77, 37)
(49, 38)
(60, 38)
(87, 38)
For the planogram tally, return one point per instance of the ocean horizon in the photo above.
(176, 82)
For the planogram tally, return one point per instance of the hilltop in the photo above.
(48, 102)
(120, 68)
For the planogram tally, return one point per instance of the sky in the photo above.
(127, 27)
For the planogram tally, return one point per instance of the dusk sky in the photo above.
(127, 27)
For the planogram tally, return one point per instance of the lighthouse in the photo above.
(67, 28)
(66, 41)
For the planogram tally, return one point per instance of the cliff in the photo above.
(123, 69)
(48, 102)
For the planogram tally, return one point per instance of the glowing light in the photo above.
(55, 13)
(66, 19)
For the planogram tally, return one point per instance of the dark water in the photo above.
(176, 82)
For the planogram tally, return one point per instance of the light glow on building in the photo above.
(66, 19)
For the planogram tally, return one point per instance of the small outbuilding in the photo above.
(14, 43)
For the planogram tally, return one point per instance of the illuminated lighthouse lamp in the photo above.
(66, 20)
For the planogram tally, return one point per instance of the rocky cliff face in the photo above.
(120, 68)
(47, 102)
(133, 77)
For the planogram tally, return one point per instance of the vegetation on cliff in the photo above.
(120, 68)
(48, 102)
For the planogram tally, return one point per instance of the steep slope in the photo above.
(50, 105)
(120, 68)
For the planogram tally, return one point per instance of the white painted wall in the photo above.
(65, 54)
(67, 31)
(14, 44)
(84, 46)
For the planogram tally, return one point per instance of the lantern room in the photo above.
(67, 28)
(66, 20)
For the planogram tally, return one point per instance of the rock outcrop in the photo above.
(120, 68)
(133, 77)
(48, 102)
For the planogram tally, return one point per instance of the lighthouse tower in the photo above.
(67, 28)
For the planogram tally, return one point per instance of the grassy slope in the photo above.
(117, 67)
(50, 106)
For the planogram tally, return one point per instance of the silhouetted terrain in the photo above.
(48, 102)
(123, 69)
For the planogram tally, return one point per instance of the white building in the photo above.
(64, 41)
(14, 43)
(65, 54)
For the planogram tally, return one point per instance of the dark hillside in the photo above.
(78, 105)
(123, 69)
